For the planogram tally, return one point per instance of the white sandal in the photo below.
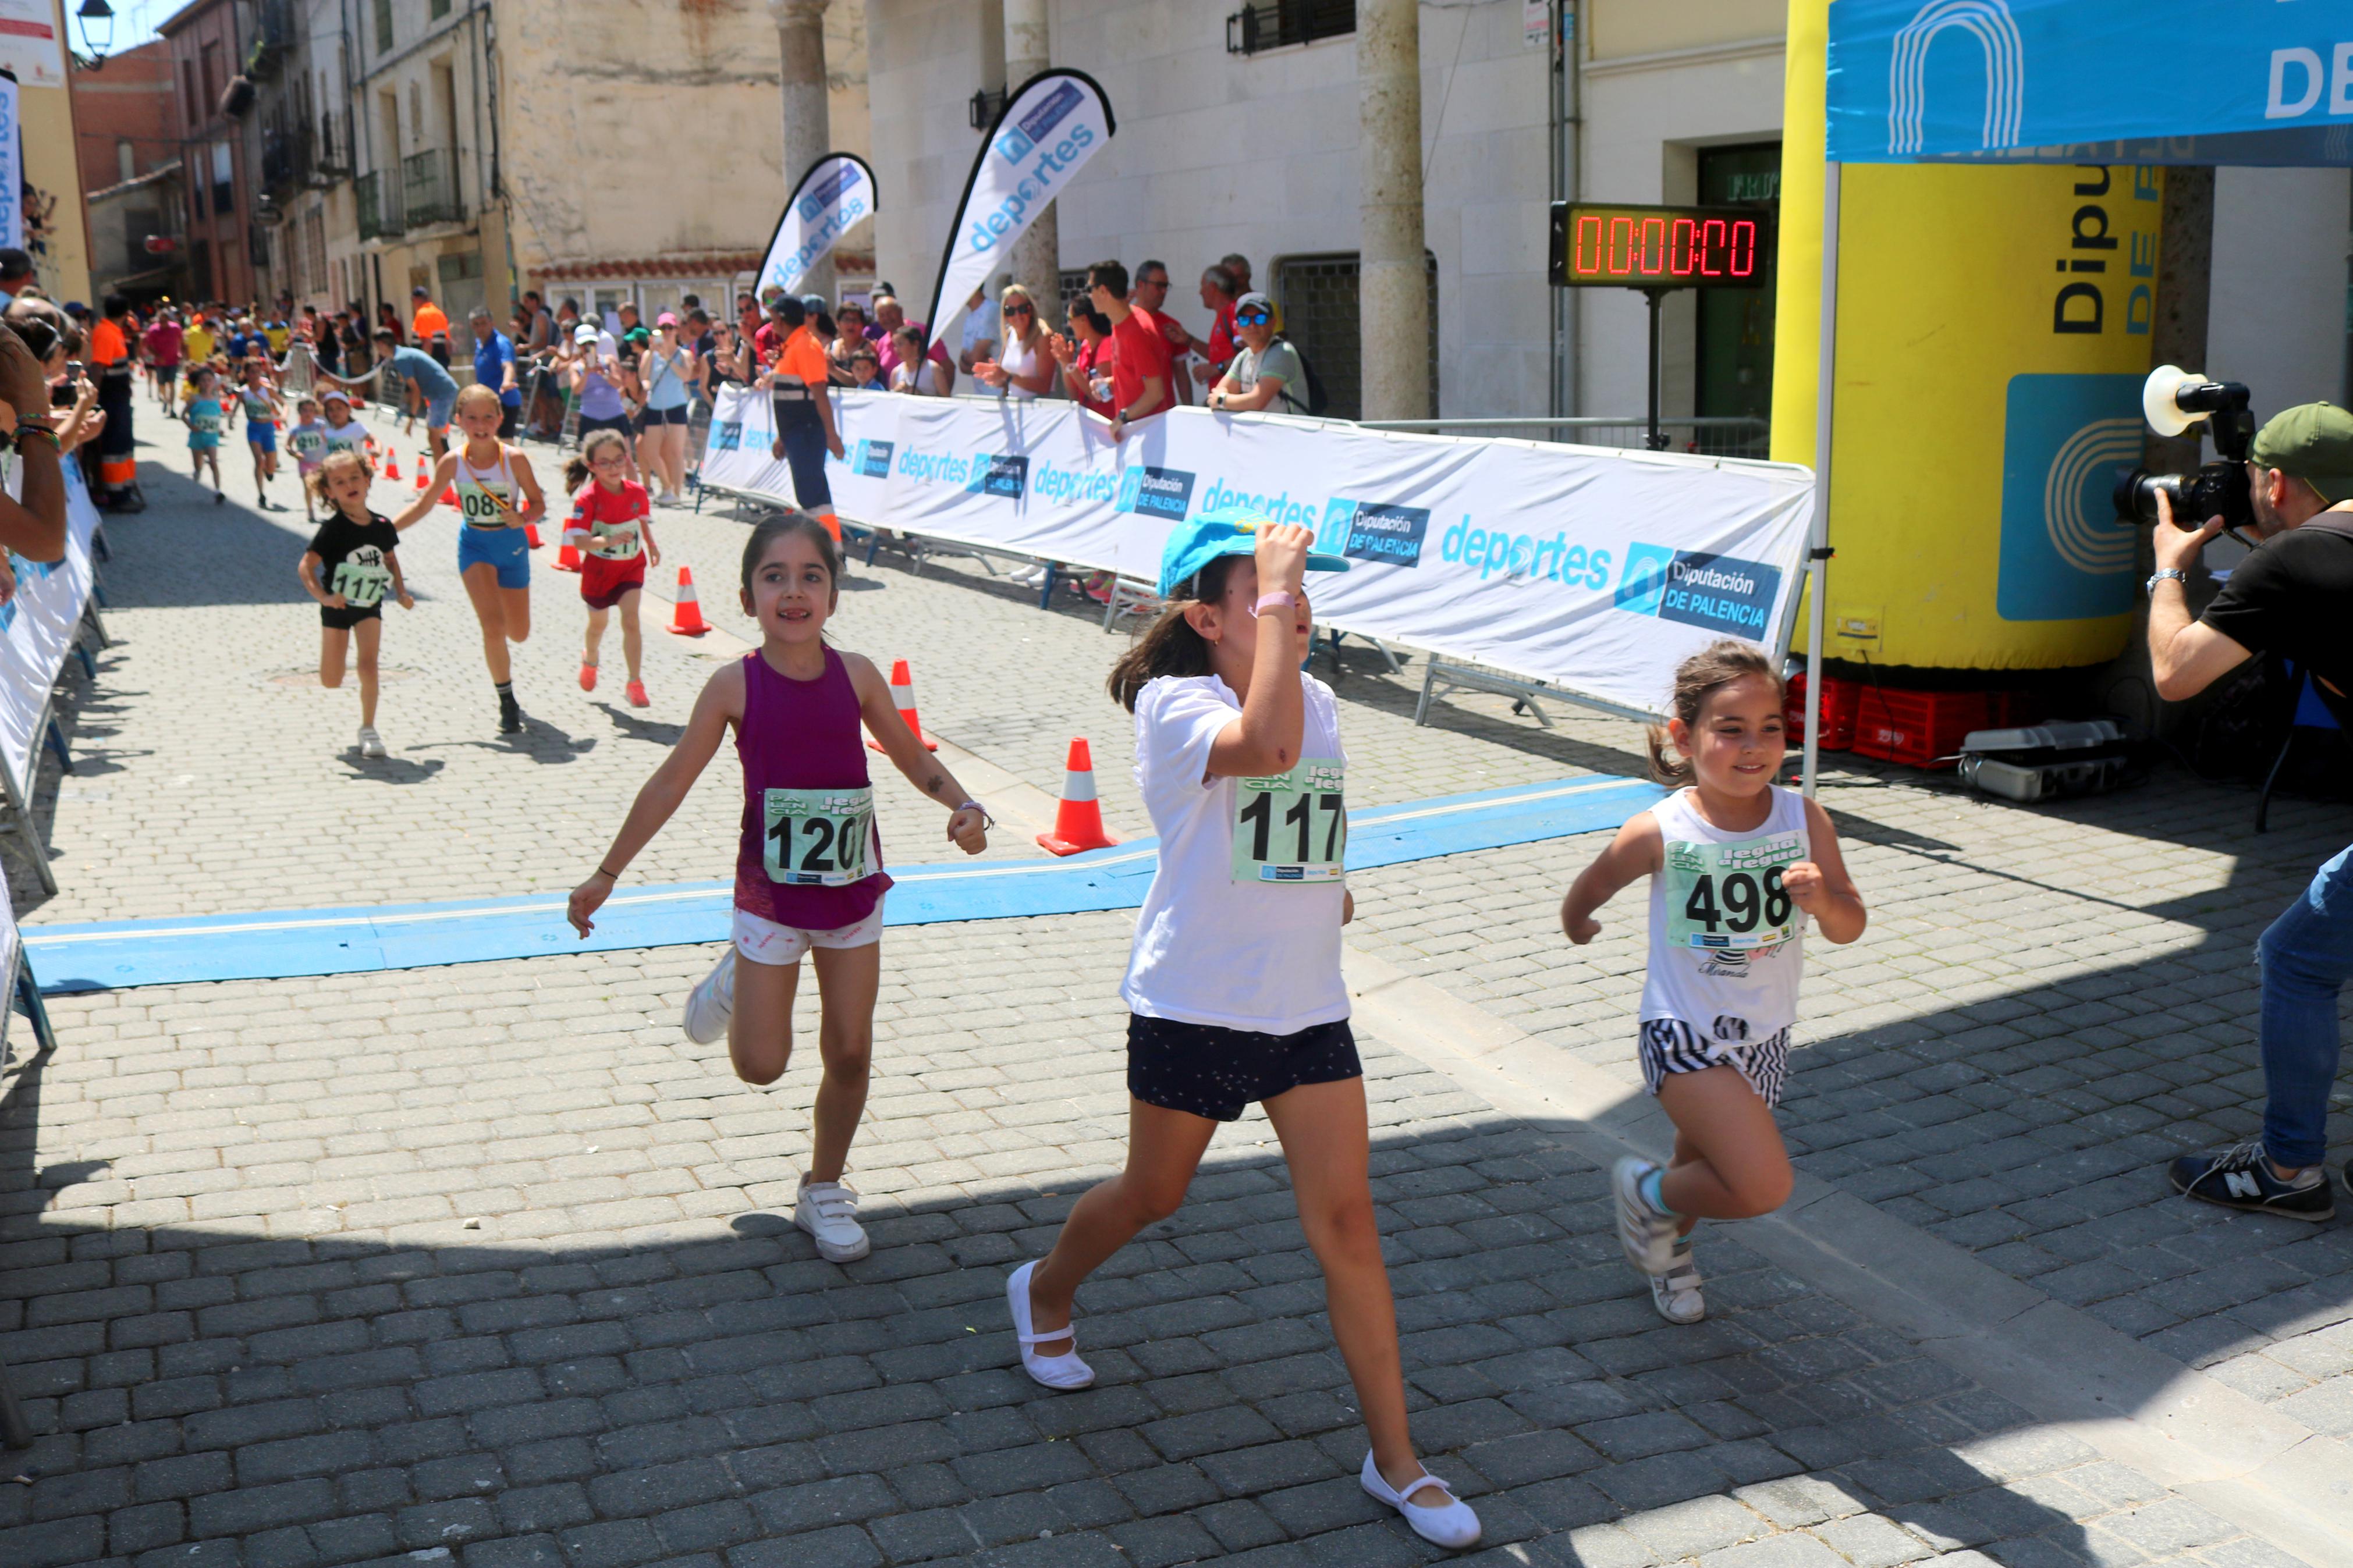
(1450, 1524)
(1058, 1371)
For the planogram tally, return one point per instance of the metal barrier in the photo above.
(1711, 436)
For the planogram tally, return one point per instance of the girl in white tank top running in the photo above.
(1737, 867)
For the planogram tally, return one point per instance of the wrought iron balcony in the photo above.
(429, 182)
(381, 213)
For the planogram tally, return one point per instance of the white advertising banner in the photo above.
(37, 631)
(836, 194)
(29, 44)
(1049, 127)
(1591, 569)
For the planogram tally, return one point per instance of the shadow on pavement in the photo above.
(184, 552)
(620, 1397)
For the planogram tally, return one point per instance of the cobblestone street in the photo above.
(487, 1267)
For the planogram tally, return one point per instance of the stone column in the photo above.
(1035, 262)
(1393, 299)
(808, 134)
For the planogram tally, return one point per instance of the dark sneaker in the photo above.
(509, 715)
(2240, 1177)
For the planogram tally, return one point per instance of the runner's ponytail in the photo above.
(1170, 646)
(576, 468)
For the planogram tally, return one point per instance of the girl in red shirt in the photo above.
(612, 527)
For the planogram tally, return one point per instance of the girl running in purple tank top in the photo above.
(808, 872)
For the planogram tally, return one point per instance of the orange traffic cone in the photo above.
(450, 496)
(392, 467)
(688, 622)
(531, 536)
(903, 697)
(567, 558)
(1078, 821)
(420, 481)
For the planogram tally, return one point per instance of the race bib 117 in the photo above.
(1292, 826)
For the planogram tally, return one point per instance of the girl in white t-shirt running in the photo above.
(1233, 987)
(1737, 865)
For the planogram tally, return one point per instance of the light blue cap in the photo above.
(1228, 531)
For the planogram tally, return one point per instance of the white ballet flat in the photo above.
(1450, 1524)
(1063, 1372)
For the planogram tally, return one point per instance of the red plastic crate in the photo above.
(1920, 728)
(1839, 701)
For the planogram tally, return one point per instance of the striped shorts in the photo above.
(1671, 1046)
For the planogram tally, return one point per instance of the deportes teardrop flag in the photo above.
(837, 191)
(1049, 127)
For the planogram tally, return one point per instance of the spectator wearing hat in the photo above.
(494, 366)
(1139, 355)
(2290, 599)
(1266, 371)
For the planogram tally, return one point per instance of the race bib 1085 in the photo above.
(1722, 896)
(1292, 826)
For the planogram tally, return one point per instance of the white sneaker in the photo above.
(1450, 1523)
(1058, 1372)
(1648, 1236)
(713, 1000)
(371, 743)
(829, 1212)
(1675, 1293)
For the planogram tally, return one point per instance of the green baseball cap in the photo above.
(2311, 442)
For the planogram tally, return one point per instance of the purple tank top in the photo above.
(801, 734)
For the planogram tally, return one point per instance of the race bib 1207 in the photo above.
(1292, 826)
(816, 837)
(1729, 896)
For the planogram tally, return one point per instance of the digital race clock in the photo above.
(1598, 244)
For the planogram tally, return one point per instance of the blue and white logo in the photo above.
(2003, 61)
(1038, 122)
(2065, 440)
(728, 438)
(872, 459)
(1376, 531)
(1000, 474)
(1155, 492)
(1720, 593)
(825, 192)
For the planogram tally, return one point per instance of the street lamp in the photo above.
(102, 13)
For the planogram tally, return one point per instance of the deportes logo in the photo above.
(2064, 440)
(872, 459)
(1000, 474)
(1376, 531)
(728, 438)
(2004, 68)
(1155, 492)
(1720, 593)
(1044, 115)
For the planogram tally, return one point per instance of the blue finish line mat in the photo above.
(280, 944)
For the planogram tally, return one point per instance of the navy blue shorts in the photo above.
(1210, 1071)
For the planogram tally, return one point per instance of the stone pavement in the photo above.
(486, 1266)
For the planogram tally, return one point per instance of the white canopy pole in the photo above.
(1818, 535)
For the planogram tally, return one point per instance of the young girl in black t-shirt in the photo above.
(351, 564)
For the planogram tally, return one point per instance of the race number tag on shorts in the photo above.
(361, 583)
(1292, 826)
(1729, 896)
(816, 837)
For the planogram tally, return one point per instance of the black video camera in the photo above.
(2173, 400)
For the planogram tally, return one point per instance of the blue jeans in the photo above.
(2307, 957)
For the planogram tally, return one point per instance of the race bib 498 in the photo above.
(1724, 896)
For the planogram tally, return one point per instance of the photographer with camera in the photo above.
(2291, 597)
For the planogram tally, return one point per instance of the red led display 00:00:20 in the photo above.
(1650, 247)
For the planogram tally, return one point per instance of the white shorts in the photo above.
(766, 942)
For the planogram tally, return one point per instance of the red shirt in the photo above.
(1137, 349)
(164, 344)
(605, 522)
(1221, 336)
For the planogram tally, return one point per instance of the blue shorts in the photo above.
(263, 435)
(504, 548)
(438, 411)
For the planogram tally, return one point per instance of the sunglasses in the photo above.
(1019, 310)
(1252, 319)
